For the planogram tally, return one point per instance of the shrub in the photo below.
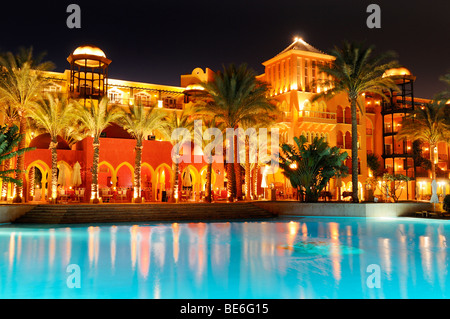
(446, 205)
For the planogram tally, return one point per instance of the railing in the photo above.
(318, 115)
(122, 101)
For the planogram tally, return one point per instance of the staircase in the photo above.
(123, 213)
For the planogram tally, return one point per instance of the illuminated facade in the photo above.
(290, 75)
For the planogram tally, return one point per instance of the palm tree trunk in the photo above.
(248, 184)
(174, 182)
(137, 172)
(231, 177)
(94, 170)
(4, 196)
(237, 170)
(433, 164)
(208, 183)
(20, 165)
(354, 152)
(255, 181)
(32, 181)
(54, 181)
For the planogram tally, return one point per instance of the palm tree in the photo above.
(356, 71)
(310, 166)
(261, 120)
(53, 114)
(140, 122)
(427, 124)
(96, 117)
(21, 83)
(234, 96)
(175, 123)
(9, 140)
(10, 118)
(209, 147)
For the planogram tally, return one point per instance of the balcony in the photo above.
(317, 117)
(123, 102)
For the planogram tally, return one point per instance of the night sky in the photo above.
(157, 41)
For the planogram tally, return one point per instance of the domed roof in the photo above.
(89, 50)
(90, 56)
(397, 72)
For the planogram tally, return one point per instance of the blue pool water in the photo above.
(286, 258)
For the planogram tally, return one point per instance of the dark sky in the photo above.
(157, 41)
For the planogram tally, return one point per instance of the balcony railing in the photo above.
(317, 115)
(122, 101)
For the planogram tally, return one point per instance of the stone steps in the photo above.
(114, 213)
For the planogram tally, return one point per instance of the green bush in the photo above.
(447, 203)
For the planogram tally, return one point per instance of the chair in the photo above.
(106, 197)
(80, 195)
(122, 194)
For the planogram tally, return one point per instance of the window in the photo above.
(170, 102)
(115, 96)
(299, 72)
(51, 88)
(313, 74)
(142, 98)
(306, 76)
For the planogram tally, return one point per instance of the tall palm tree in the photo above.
(261, 120)
(172, 123)
(356, 70)
(10, 118)
(209, 147)
(235, 95)
(140, 121)
(53, 114)
(96, 117)
(427, 124)
(21, 83)
(9, 140)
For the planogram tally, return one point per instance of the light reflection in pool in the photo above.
(299, 258)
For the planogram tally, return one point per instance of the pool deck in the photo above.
(150, 212)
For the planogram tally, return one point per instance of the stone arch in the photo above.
(144, 180)
(348, 140)
(111, 170)
(196, 178)
(202, 174)
(46, 175)
(131, 181)
(158, 185)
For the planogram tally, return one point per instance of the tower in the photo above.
(88, 73)
(398, 155)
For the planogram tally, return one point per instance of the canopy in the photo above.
(62, 175)
(76, 175)
(434, 198)
(187, 178)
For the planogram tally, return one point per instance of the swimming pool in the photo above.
(284, 258)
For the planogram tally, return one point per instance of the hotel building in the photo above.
(291, 75)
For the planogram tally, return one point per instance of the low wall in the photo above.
(284, 208)
(9, 213)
